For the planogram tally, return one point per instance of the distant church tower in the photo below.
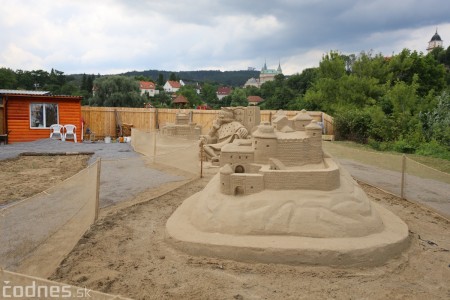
(435, 42)
(268, 74)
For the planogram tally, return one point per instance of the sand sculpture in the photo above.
(232, 123)
(279, 198)
(183, 127)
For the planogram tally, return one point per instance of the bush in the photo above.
(403, 146)
(353, 125)
(374, 144)
(434, 149)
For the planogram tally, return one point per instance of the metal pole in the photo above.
(201, 159)
(402, 190)
(154, 145)
(97, 197)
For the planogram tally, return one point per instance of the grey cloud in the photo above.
(133, 34)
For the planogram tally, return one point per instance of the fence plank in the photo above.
(102, 120)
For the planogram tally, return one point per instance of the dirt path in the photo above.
(125, 253)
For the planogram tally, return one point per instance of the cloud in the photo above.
(120, 35)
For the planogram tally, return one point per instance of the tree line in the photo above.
(400, 102)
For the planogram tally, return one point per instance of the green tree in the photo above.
(300, 83)
(160, 80)
(430, 74)
(208, 95)
(332, 66)
(252, 91)
(117, 91)
(368, 66)
(56, 78)
(162, 99)
(8, 79)
(238, 97)
(191, 95)
(436, 123)
(40, 79)
(173, 77)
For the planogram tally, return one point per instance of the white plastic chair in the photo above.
(56, 131)
(70, 132)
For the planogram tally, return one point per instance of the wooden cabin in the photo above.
(27, 115)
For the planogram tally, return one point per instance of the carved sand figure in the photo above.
(224, 130)
(279, 198)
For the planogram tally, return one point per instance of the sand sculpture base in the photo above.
(342, 228)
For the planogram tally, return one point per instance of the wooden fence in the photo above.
(102, 120)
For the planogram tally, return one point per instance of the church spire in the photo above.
(279, 68)
(264, 68)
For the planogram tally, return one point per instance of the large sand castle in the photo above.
(279, 198)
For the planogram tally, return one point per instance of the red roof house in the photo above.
(223, 91)
(254, 100)
(148, 87)
(172, 86)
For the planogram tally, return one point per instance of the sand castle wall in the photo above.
(322, 180)
(299, 152)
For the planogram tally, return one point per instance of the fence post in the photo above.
(156, 119)
(402, 188)
(201, 159)
(97, 196)
(154, 145)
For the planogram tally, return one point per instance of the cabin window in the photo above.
(43, 115)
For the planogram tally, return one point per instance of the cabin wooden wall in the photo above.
(2, 119)
(18, 117)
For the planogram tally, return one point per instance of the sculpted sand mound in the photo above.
(279, 198)
(344, 212)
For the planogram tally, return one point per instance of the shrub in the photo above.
(434, 149)
(353, 125)
(403, 146)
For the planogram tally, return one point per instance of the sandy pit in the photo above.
(24, 176)
(126, 252)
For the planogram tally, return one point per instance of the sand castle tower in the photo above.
(264, 143)
(279, 198)
(301, 120)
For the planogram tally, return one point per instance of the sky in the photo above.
(116, 36)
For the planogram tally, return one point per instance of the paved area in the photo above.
(124, 173)
(431, 193)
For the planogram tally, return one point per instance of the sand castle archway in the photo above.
(239, 190)
(239, 169)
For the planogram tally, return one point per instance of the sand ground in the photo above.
(25, 176)
(125, 253)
